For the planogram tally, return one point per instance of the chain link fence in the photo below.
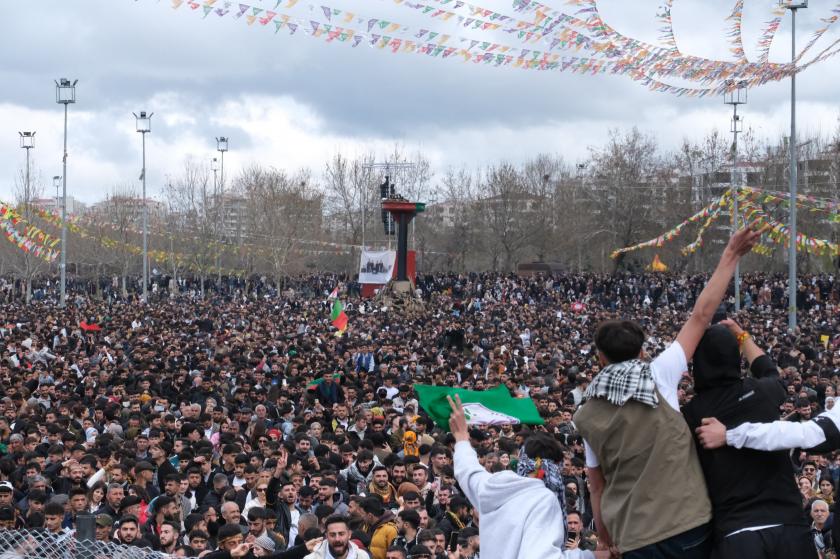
(40, 544)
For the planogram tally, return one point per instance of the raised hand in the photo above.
(745, 239)
(457, 419)
(732, 326)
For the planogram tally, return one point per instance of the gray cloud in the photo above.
(131, 55)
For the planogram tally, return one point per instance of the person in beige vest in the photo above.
(648, 493)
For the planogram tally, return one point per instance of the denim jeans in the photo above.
(691, 544)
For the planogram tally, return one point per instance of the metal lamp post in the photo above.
(214, 166)
(144, 126)
(57, 185)
(581, 172)
(27, 142)
(792, 287)
(221, 147)
(736, 95)
(65, 94)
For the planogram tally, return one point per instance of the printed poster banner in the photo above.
(377, 266)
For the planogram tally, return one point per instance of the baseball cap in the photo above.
(104, 520)
(6, 487)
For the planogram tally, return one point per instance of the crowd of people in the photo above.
(238, 424)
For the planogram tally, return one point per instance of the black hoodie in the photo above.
(748, 488)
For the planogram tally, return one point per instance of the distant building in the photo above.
(120, 210)
(74, 207)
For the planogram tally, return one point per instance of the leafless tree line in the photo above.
(569, 214)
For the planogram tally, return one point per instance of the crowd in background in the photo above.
(237, 423)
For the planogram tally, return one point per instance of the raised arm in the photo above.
(470, 474)
(704, 309)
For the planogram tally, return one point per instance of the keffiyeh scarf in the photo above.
(619, 382)
(549, 472)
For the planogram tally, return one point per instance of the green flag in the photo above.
(491, 407)
(338, 317)
(312, 385)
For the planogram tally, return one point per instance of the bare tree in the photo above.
(351, 192)
(453, 223)
(26, 265)
(507, 207)
(122, 213)
(542, 178)
(191, 197)
(286, 214)
(624, 188)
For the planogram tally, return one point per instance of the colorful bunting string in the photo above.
(735, 34)
(666, 32)
(750, 199)
(32, 240)
(606, 50)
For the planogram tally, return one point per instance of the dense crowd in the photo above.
(237, 424)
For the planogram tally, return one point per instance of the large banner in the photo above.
(377, 267)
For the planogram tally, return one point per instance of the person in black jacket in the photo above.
(160, 460)
(756, 504)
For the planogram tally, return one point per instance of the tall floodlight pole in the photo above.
(144, 126)
(65, 94)
(27, 142)
(581, 171)
(57, 185)
(736, 94)
(792, 287)
(221, 147)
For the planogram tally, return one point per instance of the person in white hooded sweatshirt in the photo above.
(519, 516)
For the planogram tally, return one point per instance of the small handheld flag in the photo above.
(338, 317)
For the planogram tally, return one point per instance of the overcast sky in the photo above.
(292, 101)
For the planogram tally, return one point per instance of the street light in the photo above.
(214, 166)
(144, 126)
(793, 7)
(57, 185)
(581, 172)
(221, 147)
(65, 94)
(735, 94)
(27, 142)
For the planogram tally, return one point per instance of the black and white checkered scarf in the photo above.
(619, 382)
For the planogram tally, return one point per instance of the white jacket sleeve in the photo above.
(470, 474)
(97, 477)
(779, 435)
